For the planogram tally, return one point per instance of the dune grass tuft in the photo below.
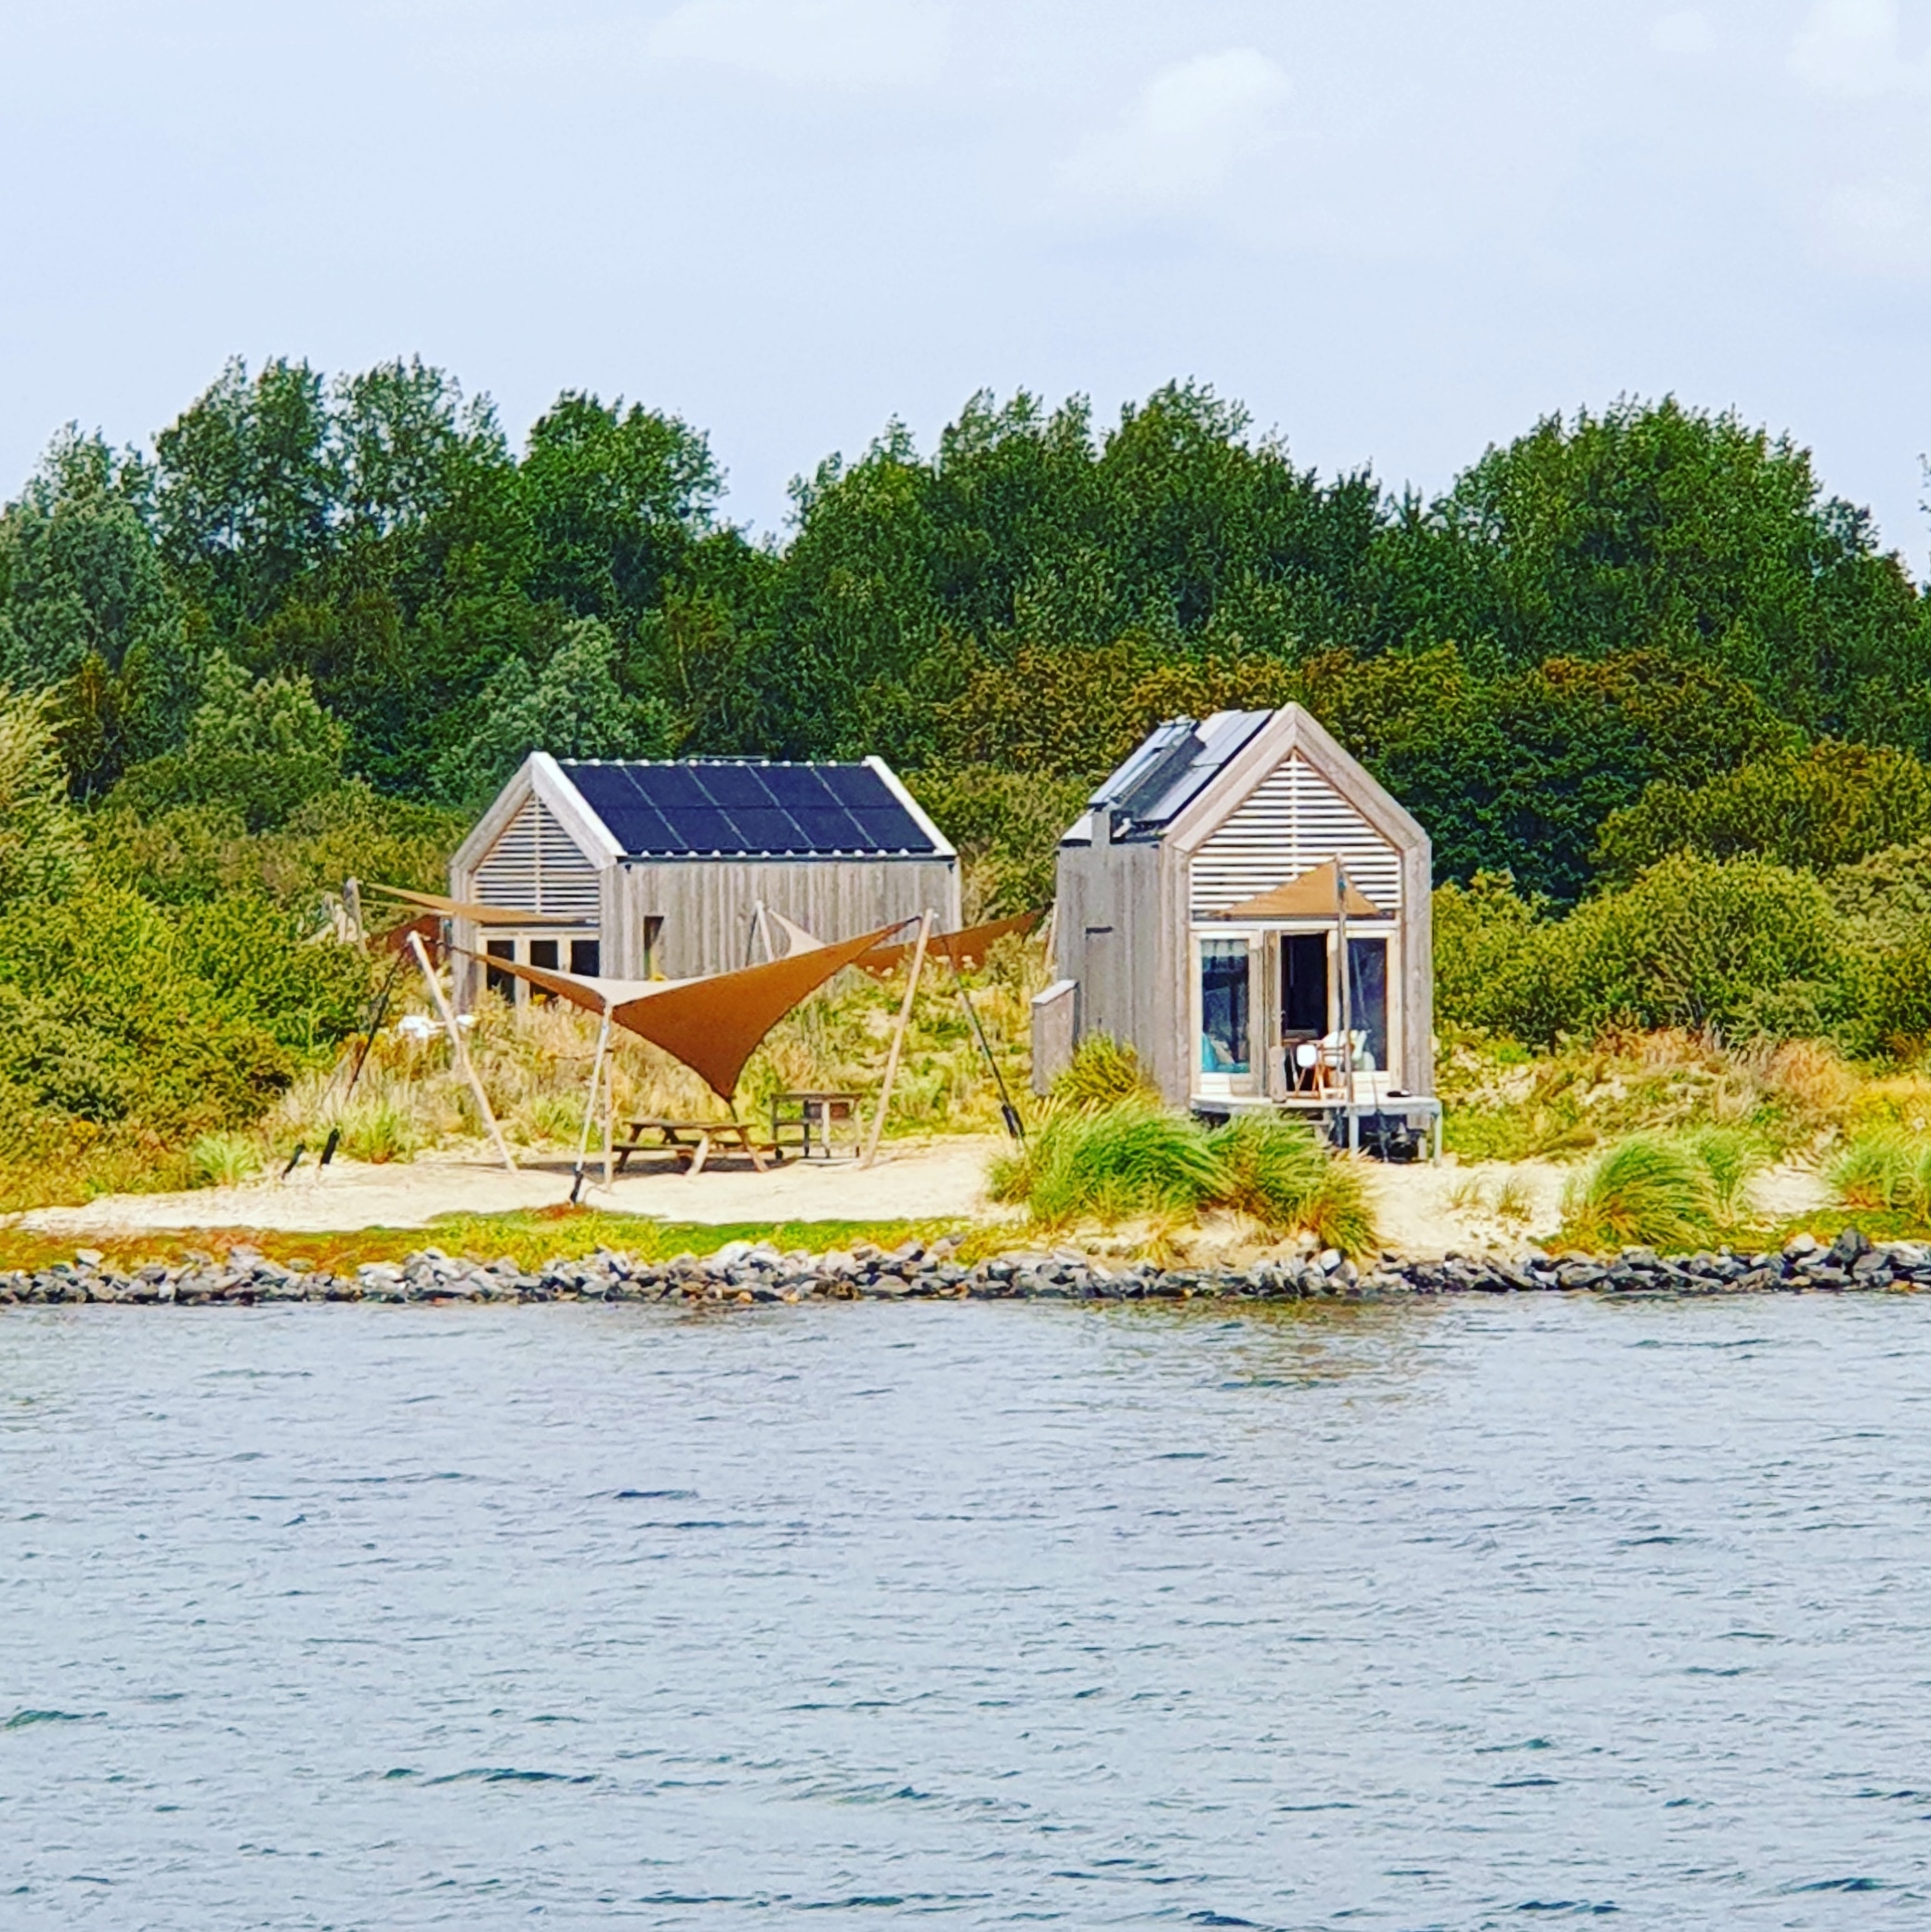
(1103, 1070)
(223, 1160)
(1884, 1171)
(1668, 1191)
(1135, 1158)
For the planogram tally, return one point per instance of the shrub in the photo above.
(1698, 943)
(223, 1160)
(1649, 1191)
(1492, 955)
(1733, 1158)
(1103, 1070)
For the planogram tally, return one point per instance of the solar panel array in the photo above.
(739, 808)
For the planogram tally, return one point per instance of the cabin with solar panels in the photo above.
(636, 870)
(1249, 910)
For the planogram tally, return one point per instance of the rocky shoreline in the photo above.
(745, 1274)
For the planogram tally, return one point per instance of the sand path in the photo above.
(913, 1181)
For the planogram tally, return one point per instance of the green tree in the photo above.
(1817, 809)
(42, 852)
(263, 748)
(573, 708)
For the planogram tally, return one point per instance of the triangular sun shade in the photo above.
(469, 910)
(712, 1024)
(967, 947)
(1313, 896)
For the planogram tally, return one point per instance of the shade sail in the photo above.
(967, 947)
(712, 1024)
(1313, 895)
(797, 940)
(469, 910)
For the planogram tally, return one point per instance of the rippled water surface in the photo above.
(1464, 1616)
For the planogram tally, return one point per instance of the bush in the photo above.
(1007, 827)
(114, 1009)
(1745, 949)
(1103, 1070)
(1492, 954)
(379, 1129)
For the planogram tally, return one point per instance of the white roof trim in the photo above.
(1291, 730)
(942, 846)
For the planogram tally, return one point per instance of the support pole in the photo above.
(1347, 1002)
(459, 1050)
(590, 1112)
(1008, 1112)
(898, 1040)
(609, 1119)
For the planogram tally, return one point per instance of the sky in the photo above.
(1398, 230)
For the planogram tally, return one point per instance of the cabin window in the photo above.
(1225, 1031)
(586, 956)
(653, 938)
(1367, 996)
(495, 977)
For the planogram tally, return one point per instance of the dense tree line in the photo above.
(306, 581)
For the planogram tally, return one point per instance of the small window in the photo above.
(586, 956)
(542, 952)
(495, 977)
(653, 938)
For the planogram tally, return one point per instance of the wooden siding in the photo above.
(1293, 821)
(537, 867)
(706, 906)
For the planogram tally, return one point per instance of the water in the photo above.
(1508, 1614)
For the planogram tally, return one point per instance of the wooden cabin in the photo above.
(636, 869)
(1202, 900)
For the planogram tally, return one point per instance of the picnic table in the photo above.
(690, 1141)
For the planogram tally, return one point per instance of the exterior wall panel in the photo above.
(1292, 822)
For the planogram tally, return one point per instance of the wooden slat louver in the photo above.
(537, 867)
(1293, 821)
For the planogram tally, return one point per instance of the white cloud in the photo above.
(1853, 49)
(1688, 32)
(855, 43)
(1190, 131)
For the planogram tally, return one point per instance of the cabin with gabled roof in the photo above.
(1244, 905)
(635, 869)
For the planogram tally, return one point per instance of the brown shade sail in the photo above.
(712, 1024)
(1313, 895)
(966, 947)
(469, 910)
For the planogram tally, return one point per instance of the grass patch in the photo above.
(1673, 1192)
(530, 1238)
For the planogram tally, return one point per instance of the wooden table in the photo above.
(825, 1124)
(690, 1141)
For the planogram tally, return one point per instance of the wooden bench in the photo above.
(690, 1141)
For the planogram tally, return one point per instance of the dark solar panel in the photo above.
(736, 786)
(797, 788)
(830, 831)
(746, 808)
